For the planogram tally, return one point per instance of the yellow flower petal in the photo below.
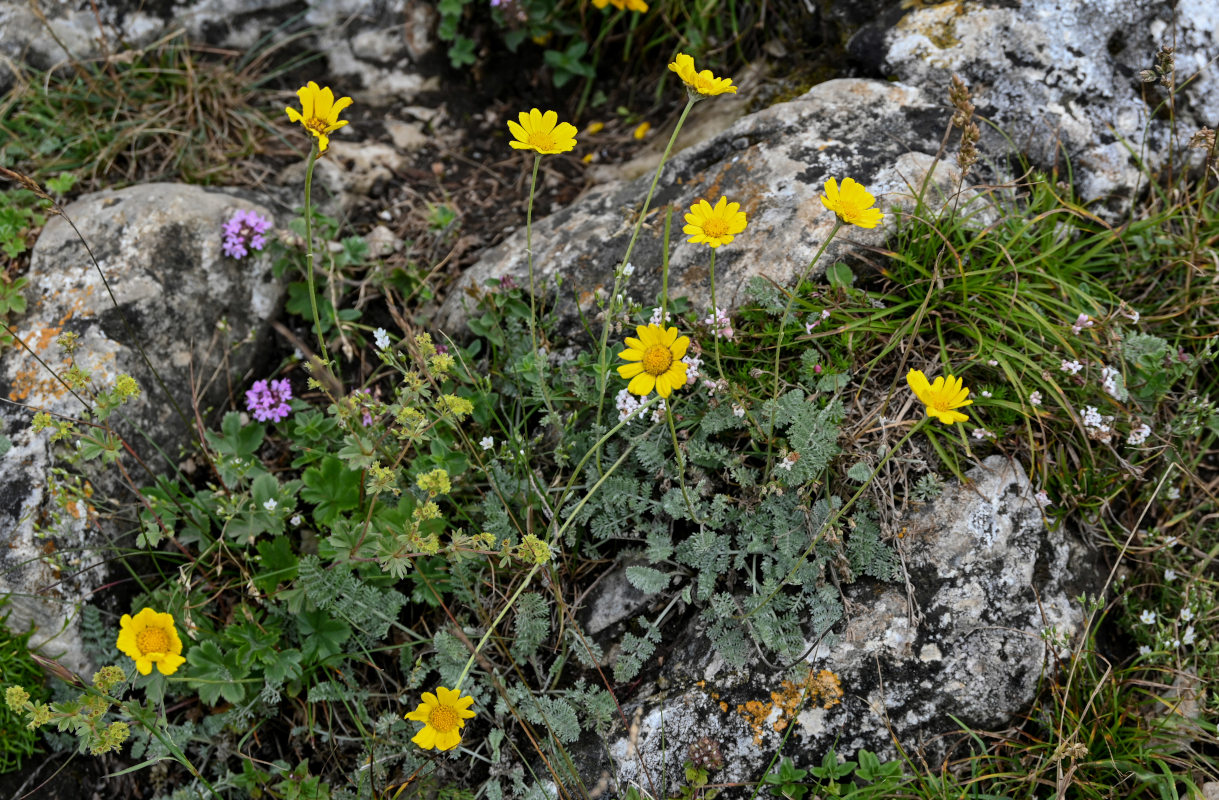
(630, 370)
(642, 384)
(426, 738)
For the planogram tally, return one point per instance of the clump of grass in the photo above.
(172, 110)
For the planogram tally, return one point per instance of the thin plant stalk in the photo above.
(715, 315)
(533, 314)
(317, 324)
(558, 535)
(603, 361)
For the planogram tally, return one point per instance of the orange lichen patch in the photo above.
(723, 706)
(755, 712)
(821, 687)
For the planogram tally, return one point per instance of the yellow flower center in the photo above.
(657, 359)
(152, 640)
(542, 140)
(317, 125)
(444, 719)
(715, 228)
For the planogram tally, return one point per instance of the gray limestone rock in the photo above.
(963, 638)
(1061, 78)
(774, 163)
(379, 43)
(197, 314)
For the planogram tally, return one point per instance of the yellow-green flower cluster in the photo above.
(534, 549)
(125, 387)
(107, 678)
(381, 479)
(15, 697)
(459, 407)
(434, 482)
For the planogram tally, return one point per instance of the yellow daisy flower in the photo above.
(443, 715)
(151, 638)
(656, 357)
(627, 5)
(714, 226)
(702, 83)
(542, 133)
(320, 113)
(852, 203)
(941, 397)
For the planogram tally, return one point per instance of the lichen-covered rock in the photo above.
(962, 638)
(774, 163)
(195, 312)
(1061, 78)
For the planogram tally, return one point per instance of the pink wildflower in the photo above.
(268, 402)
(244, 230)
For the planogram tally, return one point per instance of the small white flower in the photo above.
(1187, 614)
(1042, 499)
(785, 464)
(628, 270)
(992, 362)
(296, 519)
(1174, 493)
(982, 433)
(1148, 617)
(1144, 650)
(1035, 398)
(738, 411)
(1188, 636)
(1170, 575)
(381, 338)
(1139, 435)
(985, 393)
(1073, 367)
(270, 504)
(1176, 644)
(486, 443)
(1171, 541)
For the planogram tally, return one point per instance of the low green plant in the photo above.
(17, 668)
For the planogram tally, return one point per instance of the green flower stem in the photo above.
(681, 465)
(791, 298)
(603, 361)
(491, 629)
(533, 315)
(317, 324)
(715, 311)
(834, 519)
(597, 448)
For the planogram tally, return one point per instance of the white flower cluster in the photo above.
(1108, 381)
(1096, 425)
(656, 320)
(1139, 434)
(693, 373)
(626, 403)
(720, 325)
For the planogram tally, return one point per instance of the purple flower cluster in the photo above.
(245, 230)
(268, 402)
